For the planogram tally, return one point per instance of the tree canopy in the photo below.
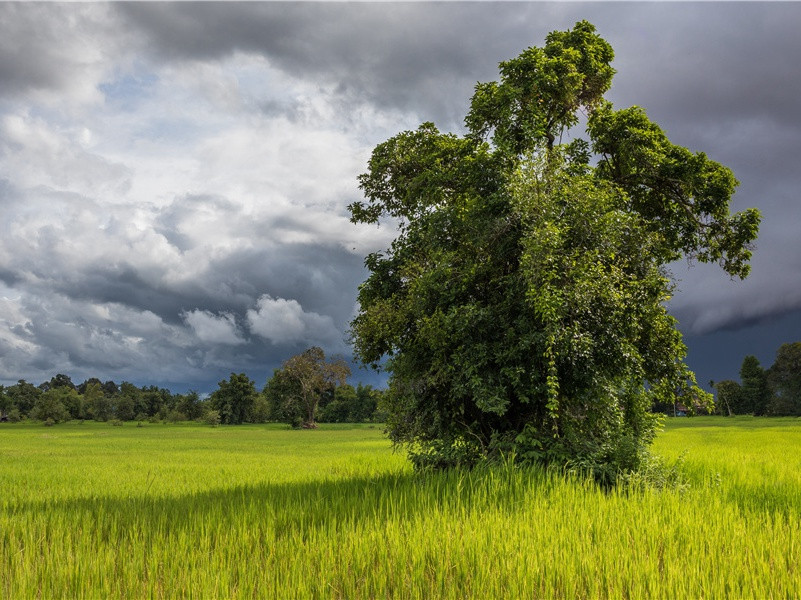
(520, 308)
(295, 390)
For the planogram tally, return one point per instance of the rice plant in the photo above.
(263, 512)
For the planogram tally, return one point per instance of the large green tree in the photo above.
(521, 306)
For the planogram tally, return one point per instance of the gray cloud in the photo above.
(174, 176)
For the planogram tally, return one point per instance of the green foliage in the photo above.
(23, 395)
(73, 402)
(190, 405)
(300, 384)
(351, 405)
(683, 196)
(755, 393)
(234, 399)
(729, 398)
(212, 417)
(520, 310)
(259, 410)
(176, 416)
(280, 393)
(5, 402)
(49, 407)
(784, 378)
(98, 406)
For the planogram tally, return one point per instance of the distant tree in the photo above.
(109, 388)
(259, 410)
(279, 393)
(98, 406)
(157, 401)
(23, 396)
(784, 377)
(366, 404)
(729, 397)
(74, 402)
(129, 401)
(124, 407)
(58, 381)
(5, 403)
(756, 392)
(313, 376)
(49, 406)
(190, 405)
(234, 399)
(341, 406)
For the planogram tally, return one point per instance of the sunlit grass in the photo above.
(263, 512)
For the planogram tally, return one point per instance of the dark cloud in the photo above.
(184, 285)
(423, 58)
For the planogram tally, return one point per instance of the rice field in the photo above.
(189, 511)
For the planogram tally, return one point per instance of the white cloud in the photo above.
(284, 321)
(214, 329)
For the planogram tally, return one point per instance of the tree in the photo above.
(23, 396)
(129, 401)
(340, 407)
(98, 406)
(520, 308)
(5, 403)
(73, 402)
(729, 400)
(784, 376)
(233, 399)
(755, 391)
(305, 378)
(49, 406)
(280, 392)
(58, 381)
(190, 405)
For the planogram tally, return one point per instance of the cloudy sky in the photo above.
(174, 177)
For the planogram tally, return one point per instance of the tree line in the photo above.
(774, 391)
(306, 389)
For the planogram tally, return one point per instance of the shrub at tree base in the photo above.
(520, 310)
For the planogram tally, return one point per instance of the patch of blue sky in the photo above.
(128, 91)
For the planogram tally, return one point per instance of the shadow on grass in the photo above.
(286, 508)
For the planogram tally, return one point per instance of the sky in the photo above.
(174, 177)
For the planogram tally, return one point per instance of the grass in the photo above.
(89, 510)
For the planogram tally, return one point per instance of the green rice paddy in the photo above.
(189, 511)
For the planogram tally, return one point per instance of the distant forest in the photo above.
(775, 391)
(235, 401)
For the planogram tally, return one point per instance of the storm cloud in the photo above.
(174, 177)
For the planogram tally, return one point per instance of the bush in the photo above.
(212, 418)
(116, 422)
(175, 416)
